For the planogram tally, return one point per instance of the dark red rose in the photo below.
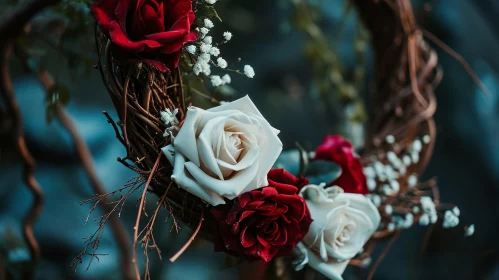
(151, 31)
(263, 223)
(337, 149)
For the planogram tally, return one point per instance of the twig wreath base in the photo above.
(140, 92)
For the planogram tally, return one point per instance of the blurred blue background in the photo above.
(465, 161)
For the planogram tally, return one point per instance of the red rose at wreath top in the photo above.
(263, 223)
(338, 150)
(151, 31)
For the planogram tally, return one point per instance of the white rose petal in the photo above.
(223, 151)
(343, 222)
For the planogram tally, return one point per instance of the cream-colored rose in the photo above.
(223, 151)
(343, 222)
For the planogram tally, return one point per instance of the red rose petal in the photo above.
(121, 12)
(295, 203)
(174, 9)
(269, 192)
(235, 228)
(146, 20)
(245, 214)
(172, 60)
(103, 12)
(120, 39)
(278, 210)
(255, 204)
(336, 149)
(247, 238)
(262, 240)
(267, 206)
(264, 222)
(283, 237)
(268, 253)
(283, 188)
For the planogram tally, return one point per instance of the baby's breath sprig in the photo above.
(204, 51)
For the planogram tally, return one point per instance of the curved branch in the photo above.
(7, 92)
(86, 159)
(88, 165)
(139, 214)
(14, 21)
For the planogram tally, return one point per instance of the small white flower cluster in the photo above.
(217, 81)
(401, 222)
(429, 211)
(469, 230)
(171, 121)
(204, 49)
(451, 218)
(211, 2)
(385, 177)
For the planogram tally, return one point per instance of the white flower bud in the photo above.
(216, 80)
(191, 49)
(248, 71)
(221, 63)
(208, 23)
(215, 51)
(227, 36)
(226, 78)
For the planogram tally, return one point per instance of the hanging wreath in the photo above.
(222, 166)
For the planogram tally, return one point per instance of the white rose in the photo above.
(223, 151)
(343, 222)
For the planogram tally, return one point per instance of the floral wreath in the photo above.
(223, 166)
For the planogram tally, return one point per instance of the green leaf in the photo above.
(289, 160)
(320, 171)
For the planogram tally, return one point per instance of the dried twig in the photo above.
(457, 57)
(28, 161)
(139, 215)
(10, 28)
(81, 148)
(186, 245)
(383, 255)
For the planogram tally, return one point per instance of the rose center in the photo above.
(234, 144)
(344, 235)
(148, 19)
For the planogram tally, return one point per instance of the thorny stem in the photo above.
(186, 245)
(139, 214)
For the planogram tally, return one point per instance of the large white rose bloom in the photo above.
(343, 222)
(223, 151)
